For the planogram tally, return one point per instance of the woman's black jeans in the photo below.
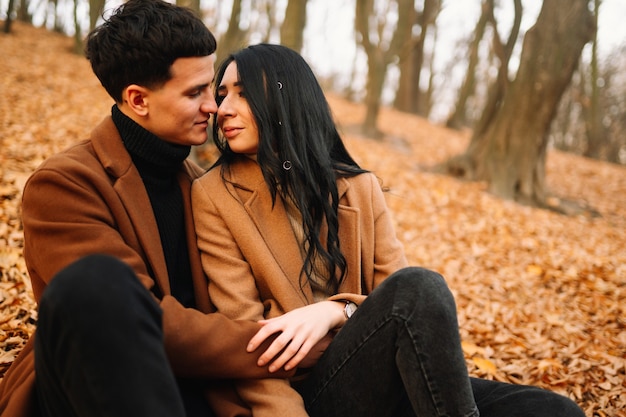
(400, 355)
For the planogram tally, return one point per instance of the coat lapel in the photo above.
(273, 225)
(132, 192)
(350, 238)
(200, 282)
(275, 229)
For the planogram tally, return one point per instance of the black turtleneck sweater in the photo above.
(158, 163)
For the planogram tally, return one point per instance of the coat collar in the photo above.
(246, 181)
(248, 177)
(128, 184)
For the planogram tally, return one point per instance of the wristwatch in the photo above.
(349, 309)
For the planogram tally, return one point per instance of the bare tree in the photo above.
(78, 31)
(9, 19)
(382, 41)
(570, 129)
(503, 52)
(95, 11)
(614, 105)
(23, 15)
(409, 97)
(458, 118)
(191, 4)
(52, 15)
(293, 25)
(509, 153)
(596, 133)
(234, 37)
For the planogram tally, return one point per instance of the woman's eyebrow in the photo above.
(223, 87)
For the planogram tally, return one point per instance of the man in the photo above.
(126, 327)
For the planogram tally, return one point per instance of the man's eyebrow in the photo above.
(197, 87)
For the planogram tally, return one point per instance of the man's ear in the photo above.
(136, 98)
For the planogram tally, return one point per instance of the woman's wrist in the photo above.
(338, 316)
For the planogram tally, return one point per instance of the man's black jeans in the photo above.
(99, 347)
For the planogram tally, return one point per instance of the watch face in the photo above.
(350, 309)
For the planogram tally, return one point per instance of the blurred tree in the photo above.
(78, 31)
(234, 37)
(23, 14)
(458, 119)
(409, 97)
(383, 40)
(509, 150)
(569, 131)
(192, 4)
(503, 52)
(293, 25)
(9, 18)
(258, 19)
(51, 17)
(614, 105)
(96, 8)
(596, 134)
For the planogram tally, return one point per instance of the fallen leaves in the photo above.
(541, 297)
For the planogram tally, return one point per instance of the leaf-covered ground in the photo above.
(541, 296)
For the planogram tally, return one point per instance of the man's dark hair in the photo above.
(141, 40)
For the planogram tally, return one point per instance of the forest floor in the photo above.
(541, 296)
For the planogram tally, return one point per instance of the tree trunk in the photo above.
(234, 36)
(458, 118)
(375, 81)
(95, 11)
(78, 32)
(291, 31)
(58, 22)
(510, 153)
(191, 4)
(595, 131)
(9, 19)
(22, 13)
(380, 52)
(497, 90)
(408, 94)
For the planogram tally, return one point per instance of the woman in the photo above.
(295, 234)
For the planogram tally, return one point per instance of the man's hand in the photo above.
(304, 334)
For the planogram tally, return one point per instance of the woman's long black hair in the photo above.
(295, 124)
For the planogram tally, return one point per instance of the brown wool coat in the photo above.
(252, 257)
(91, 199)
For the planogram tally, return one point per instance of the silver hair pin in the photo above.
(280, 85)
(287, 165)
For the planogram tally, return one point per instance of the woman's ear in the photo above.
(136, 98)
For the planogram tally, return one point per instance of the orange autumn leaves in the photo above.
(541, 297)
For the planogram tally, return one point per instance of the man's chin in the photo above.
(198, 142)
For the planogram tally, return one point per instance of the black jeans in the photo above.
(99, 347)
(400, 355)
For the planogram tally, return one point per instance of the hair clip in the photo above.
(280, 85)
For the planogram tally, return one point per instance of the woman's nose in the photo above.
(225, 108)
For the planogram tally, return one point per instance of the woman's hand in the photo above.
(300, 331)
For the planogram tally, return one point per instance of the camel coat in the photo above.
(91, 199)
(252, 257)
